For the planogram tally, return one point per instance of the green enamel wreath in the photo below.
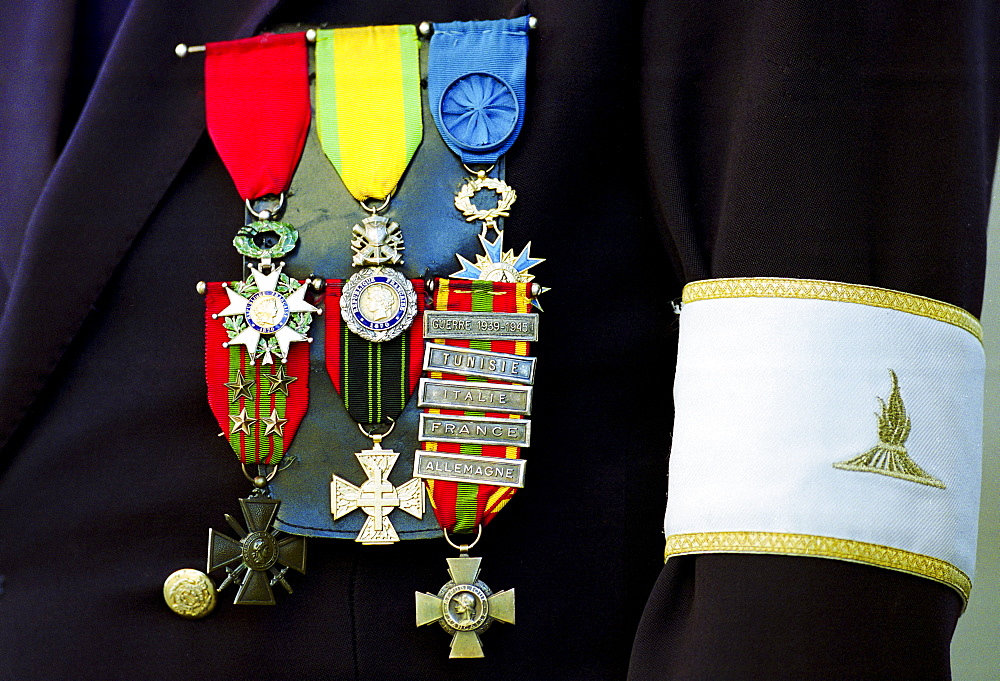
(288, 236)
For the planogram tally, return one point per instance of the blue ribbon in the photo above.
(476, 84)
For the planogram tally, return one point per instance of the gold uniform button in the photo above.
(189, 593)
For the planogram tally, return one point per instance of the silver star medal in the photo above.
(266, 314)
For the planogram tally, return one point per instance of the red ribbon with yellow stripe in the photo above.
(461, 506)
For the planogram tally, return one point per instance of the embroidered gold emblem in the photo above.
(889, 456)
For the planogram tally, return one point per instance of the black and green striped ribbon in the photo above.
(374, 377)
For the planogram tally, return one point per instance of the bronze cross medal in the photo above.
(465, 607)
(377, 497)
(257, 554)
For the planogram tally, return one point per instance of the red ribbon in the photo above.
(257, 108)
(489, 499)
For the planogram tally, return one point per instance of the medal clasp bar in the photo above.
(182, 49)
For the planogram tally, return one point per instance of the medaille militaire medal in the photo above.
(478, 385)
(256, 342)
(369, 125)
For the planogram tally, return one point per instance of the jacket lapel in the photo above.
(141, 122)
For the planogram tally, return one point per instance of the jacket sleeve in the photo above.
(850, 142)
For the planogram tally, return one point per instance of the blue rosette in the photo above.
(476, 85)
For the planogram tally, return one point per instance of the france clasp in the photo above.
(465, 607)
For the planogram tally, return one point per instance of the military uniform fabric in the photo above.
(835, 156)
(663, 142)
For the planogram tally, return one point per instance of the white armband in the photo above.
(831, 420)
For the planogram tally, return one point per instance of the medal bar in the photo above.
(475, 430)
(426, 28)
(469, 396)
(481, 470)
(477, 468)
(183, 49)
(498, 366)
(489, 326)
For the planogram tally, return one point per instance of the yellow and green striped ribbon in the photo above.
(368, 114)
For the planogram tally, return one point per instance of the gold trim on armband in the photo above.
(811, 289)
(821, 547)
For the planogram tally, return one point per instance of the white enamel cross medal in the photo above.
(263, 315)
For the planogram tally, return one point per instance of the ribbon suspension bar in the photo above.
(183, 49)
(425, 28)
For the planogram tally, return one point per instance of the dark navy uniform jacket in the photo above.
(664, 142)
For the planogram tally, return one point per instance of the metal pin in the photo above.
(183, 50)
(426, 28)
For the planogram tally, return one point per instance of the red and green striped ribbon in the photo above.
(374, 379)
(222, 366)
(462, 507)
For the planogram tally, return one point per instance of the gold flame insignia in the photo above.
(889, 456)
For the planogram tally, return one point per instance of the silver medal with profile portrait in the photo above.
(378, 303)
